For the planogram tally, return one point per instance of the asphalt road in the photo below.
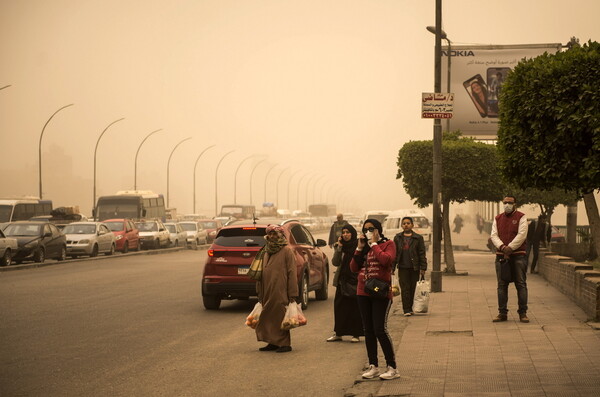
(135, 325)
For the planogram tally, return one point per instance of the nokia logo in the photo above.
(459, 53)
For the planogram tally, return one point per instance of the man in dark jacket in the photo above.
(539, 231)
(336, 230)
(411, 262)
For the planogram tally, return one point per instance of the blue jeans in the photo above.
(518, 264)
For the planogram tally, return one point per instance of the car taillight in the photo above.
(211, 252)
(248, 228)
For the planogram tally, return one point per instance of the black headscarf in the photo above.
(379, 228)
(348, 247)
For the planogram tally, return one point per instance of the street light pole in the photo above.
(445, 37)
(136, 157)
(40, 144)
(277, 186)
(235, 177)
(216, 178)
(194, 184)
(6, 86)
(298, 190)
(252, 174)
(436, 274)
(169, 163)
(95, 151)
(288, 189)
(266, 176)
(307, 184)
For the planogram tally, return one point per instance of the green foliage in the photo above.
(549, 133)
(469, 170)
(548, 200)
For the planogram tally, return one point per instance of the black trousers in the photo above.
(374, 313)
(408, 279)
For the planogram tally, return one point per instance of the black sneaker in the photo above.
(284, 349)
(268, 348)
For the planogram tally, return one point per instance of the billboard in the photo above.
(477, 74)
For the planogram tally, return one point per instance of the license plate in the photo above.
(243, 270)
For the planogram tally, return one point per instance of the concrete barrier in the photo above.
(578, 281)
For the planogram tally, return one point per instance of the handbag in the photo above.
(421, 298)
(377, 288)
(256, 267)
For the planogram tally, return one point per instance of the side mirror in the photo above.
(143, 213)
(321, 242)
(48, 234)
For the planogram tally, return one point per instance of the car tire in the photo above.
(157, 244)
(138, 246)
(125, 247)
(63, 254)
(6, 258)
(323, 293)
(73, 256)
(39, 256)
(303, 291)
(112, 250)
(196, 244)
(176, 244)
(211, 302)
(94, 251)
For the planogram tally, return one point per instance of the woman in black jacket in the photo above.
(410, 261)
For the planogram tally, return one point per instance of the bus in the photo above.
(322, 210)
(23, 209)
(238, 211)
(131, 204)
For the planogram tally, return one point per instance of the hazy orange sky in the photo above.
(330, 89)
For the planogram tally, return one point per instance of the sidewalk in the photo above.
(456, 350)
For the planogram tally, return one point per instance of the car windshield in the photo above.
(5, 211)
(114, 226)
(79, 229)
(22, 230)
(189, 227)
(171, 228)
(209, 225)
(242, 237)
(147, 227)
(420, 221)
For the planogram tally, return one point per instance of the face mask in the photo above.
(508, 207)
(369, 235)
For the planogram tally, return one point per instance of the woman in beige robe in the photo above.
(277, 287)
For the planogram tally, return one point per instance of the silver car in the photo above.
(177, 234)
(8, 246)
(196, 234)
(89, 238)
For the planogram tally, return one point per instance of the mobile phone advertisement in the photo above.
(476, 77)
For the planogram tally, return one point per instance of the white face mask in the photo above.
(509, 207)
(369, 235)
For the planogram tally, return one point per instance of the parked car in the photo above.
(153, 234)
(196, 235)
(126, 234)
(212, 227)
(557, 236)
(177, 235)
(37, 241)
(230, 255)
(89, 238)
(8, 246)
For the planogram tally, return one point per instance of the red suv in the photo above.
(126, 234)
(229, 257)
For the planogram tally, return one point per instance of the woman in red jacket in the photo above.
(373, 258)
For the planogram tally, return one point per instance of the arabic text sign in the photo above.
(437, 105)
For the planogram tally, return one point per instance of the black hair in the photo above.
(409, 218)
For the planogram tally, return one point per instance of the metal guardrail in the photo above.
(585, 230)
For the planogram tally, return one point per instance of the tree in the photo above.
(547, 200)
(469, 172)
(549, 134)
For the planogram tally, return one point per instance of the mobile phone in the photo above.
(495, 78)
(477, 90)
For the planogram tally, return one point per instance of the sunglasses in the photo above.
(508, 202)
(369, 229)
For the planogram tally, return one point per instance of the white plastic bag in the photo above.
(421, 299)
(293, 317)
(253, 317)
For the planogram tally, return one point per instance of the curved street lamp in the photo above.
(314, 189)
(321, 193)
(195, 164)
(136, 157)
(216, 175)
(169, 163)
(6, 86)
(40, 145)
(288, 188)
(298, 190)
(95, 151)
(444, 36)
(266, 176)
(235, 177)
(277, 186)
(252, 173)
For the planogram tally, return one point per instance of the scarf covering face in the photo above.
(272, 247)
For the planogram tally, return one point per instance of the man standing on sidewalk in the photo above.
(336, 230)
(509, 232)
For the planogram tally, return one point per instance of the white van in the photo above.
(392, 224)
(380, 215)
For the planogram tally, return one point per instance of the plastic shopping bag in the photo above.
(252, 319)
(293, 317)
(421, 299)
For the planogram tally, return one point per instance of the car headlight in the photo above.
(85, 241)
(120, 236)
(213, 233)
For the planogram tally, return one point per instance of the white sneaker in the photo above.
(391, 373)
(354, 339)
(407, 314)
(334, 338)
(372, 372)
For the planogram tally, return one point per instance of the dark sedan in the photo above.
(37, 241)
